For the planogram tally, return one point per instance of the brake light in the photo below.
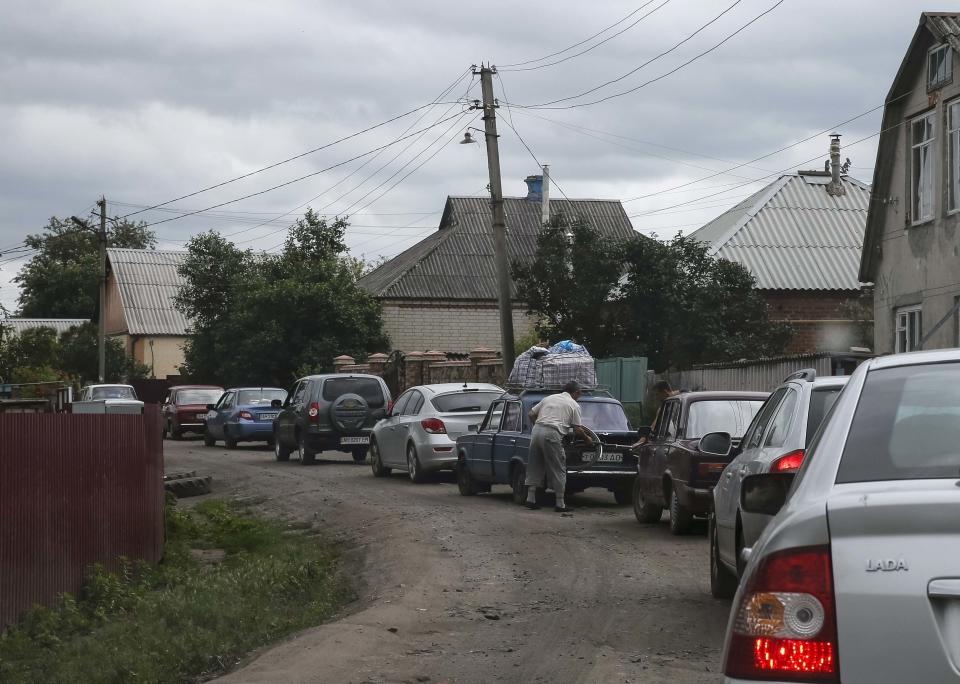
(389, 407)
(788, 463)
(710, 469)
(434, 426)
(785, 626)
(313, 413)
(246, 415)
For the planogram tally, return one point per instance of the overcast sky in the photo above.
(145, 102)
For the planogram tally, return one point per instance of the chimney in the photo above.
(534, 188)
(835, 187)
(545, 195)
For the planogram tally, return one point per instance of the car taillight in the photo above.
(710, 469)
(785, 626)
(788, 462)
(246, 415)
(434, 426)
(313, 413)
(389, 407)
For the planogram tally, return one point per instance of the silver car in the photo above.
(857, 578)
(419, 434)
(774, 442)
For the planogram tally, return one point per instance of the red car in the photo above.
(185, 409)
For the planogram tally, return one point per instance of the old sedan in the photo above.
(419, 435)
(674, 469)
(243, 414)
(185, 409)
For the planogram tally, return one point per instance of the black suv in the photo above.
(329, 412)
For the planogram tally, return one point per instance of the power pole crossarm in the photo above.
(102, 327)
(501, 258)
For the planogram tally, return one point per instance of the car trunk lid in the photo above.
(896, 567)
(459, 422)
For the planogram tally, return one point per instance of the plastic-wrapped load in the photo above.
(554, 367)
(526, 368)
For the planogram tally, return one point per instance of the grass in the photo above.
(183, 619)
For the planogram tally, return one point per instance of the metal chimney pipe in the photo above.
(836, 185)
(545, 195)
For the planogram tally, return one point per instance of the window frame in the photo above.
(914, 146)
(909, 345)
(948, 61)
(953, 156)
(485, 425)
(400, 405)
(506, 409)
(414, 404)
(768, 432)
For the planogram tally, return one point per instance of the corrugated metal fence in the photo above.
(75, 490)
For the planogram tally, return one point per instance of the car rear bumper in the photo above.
(251, 431)
(697, 500)
(438, 453)
(330, 441)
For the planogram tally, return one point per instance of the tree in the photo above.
(61, 279)
(265, 319)
(669, 301)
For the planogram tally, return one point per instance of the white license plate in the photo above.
(354, 440)
(614, 457)
(268, 416)
(201, 416)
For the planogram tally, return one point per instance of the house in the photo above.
(442, 293)
(911, 250)
(141, 284)
(17, 326)
(801, 238)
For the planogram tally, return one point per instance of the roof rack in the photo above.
(554, 388)
(808, 374)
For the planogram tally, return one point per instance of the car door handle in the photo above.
(944, 588)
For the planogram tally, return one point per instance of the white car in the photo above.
(107, 399)
(419, 434)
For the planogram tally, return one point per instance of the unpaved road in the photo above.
(461, 590)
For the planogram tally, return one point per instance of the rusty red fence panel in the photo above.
(75, 490)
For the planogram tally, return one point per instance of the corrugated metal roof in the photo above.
(61, 325)
(457, 262)
(148, 281)
(793, 235)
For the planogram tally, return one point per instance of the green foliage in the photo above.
(61, 280)
(669, 301)
(262, 319)
(182, 620)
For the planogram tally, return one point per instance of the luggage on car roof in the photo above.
(553, 367)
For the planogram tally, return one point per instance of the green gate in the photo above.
(627, 380)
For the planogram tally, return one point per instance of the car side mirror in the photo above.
(276, 403)
(209, 407)
(765, 493)
(473, 428)
(716, 444)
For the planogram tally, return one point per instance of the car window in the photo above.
(672, 421)
(660, 423)
(906, 426)
(299, 393)
(604, 416)
(113, 392)
(198, 396)
(259, 397)
(720, 415)
(465, 402)
(511, 418)
(401, 404)
(369, 388)
(754, 434)
(821, 401)
(413, 406)
(227, 400)
(492, 421)
(780, 425)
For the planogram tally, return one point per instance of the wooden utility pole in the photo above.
(102, 327)
(500, 256)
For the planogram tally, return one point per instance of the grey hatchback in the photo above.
(336, 412)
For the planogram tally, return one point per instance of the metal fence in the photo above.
(75, 490)
(627, 380)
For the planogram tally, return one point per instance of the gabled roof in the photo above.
(935, 27)
(148, 280)
(456, 262)
(793, 235)
(61, 325)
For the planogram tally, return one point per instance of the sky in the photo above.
(147, 102)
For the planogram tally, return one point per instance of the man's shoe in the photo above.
(563, 509)
(532, 506)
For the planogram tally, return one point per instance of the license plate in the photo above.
(354, 440)
(614, 457)
(268, 416)
(201, 416)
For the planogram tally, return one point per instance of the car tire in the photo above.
(175, 432)
(723, 583)
(281, 451)
(208, 439)
(416, 473)
(465, 482)
(376, 464)
(306, 454)
(517, 479)
(360, 455)
(646, 513)
(681, 520)
(623, 495)
(228, 441)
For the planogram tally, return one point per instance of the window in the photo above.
(953, 150)
(780, 425)
(465, 402)
(198, 396)
(113, 392)
(492, 423)
(368, 388)
(227, 401)
(754, 433)
(721, 415)
(401, 404)
(259, 397)
(671, 416)
(908, 329)
(939, 67)
(511, 420)
(604, 416)
(413, 406)
(921, 174)
(299, 392)
(821, 401)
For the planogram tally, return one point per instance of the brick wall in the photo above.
(819, 319)
(452, 326)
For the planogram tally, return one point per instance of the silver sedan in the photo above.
(419, 434)
(857, 578)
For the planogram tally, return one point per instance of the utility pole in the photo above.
(102, 327)
(499, 220)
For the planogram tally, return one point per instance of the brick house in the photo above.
(801, 238)
(441, 293)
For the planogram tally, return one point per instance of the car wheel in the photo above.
(680, 518)
(517, 479)
(228, 441)
(465, 482)
(379, 470)
(723, 583)
(646, 513)
(413, 466)
(304, 452)
(175, 432)
(359, 455)
(281, 451)
(623, 495)
(208, 439)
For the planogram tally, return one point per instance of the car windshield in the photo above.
(821, 400)
(721, 415)
(907, 426)
(464, 402)
(115, 392)
(198, 396)
(259, 397)
(368, 388)
(604, 416)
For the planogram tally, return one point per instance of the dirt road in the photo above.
(456, 589)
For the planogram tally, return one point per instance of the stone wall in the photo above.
(432, 367)
(457, 326)
(820, 319)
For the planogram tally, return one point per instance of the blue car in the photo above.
(243, 414)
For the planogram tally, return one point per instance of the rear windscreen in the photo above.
(464, 402)
(604, 416)
(906, 427)
(821, 400)
(369, 389)
(260, 397)
(198, 396)
(720, 415)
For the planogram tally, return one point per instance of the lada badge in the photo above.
(886, 565)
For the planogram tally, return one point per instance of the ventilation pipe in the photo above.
(835, 187)
(545, 195)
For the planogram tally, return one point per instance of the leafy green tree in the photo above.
(61, 279)
(265, 319)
